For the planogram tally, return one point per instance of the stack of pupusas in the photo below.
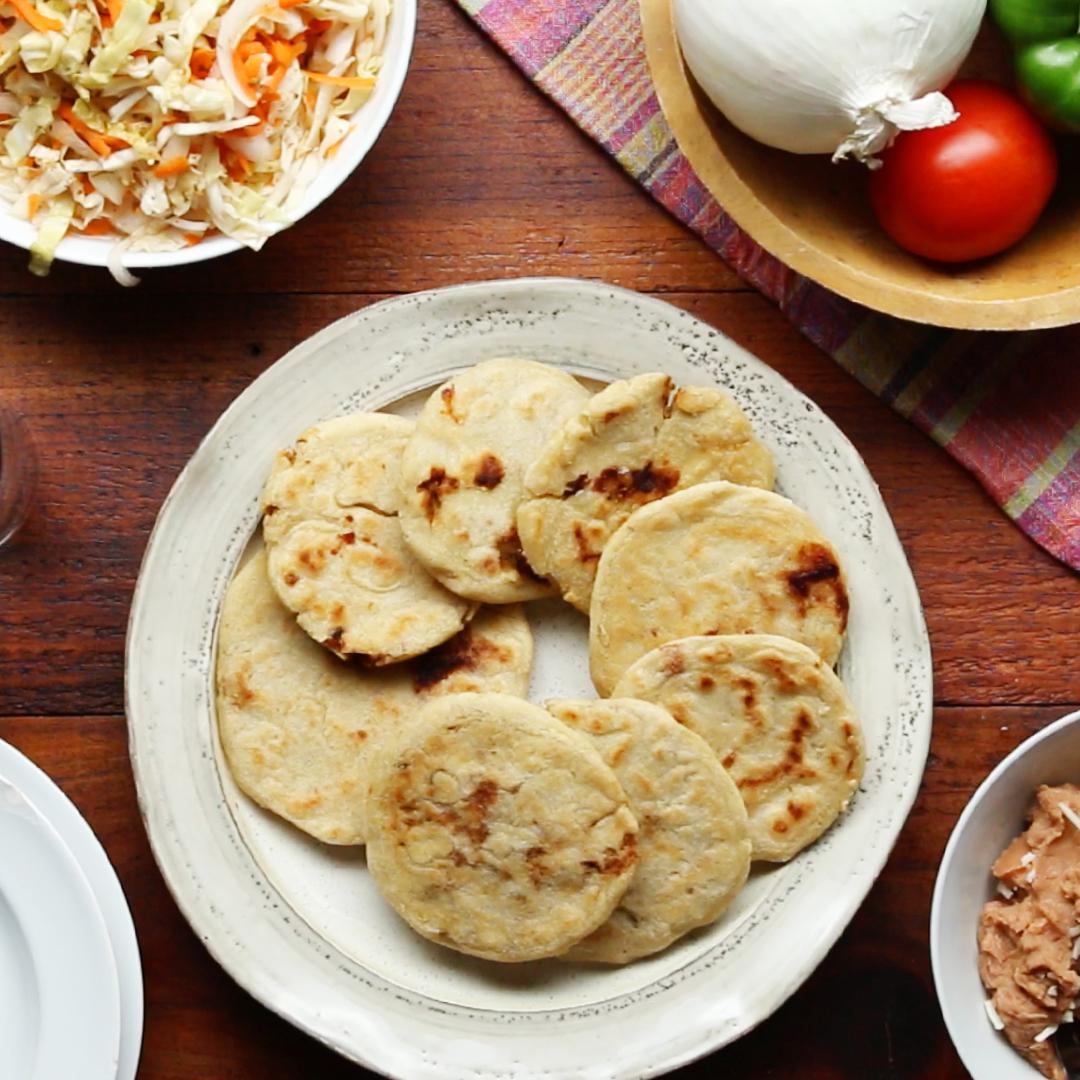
(373, 661)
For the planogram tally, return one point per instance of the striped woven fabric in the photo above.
(1007, 406)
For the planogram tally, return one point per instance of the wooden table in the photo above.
(477, 176)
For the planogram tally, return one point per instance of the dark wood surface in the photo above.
(477, 176)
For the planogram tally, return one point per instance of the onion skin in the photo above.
(838, 77)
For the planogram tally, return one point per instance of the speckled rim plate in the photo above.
(298, 925)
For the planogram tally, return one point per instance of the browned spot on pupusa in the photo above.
(706, 682)
(778, 672)
(534, 861)
(270, 510)
(336, 641)
(473, 818)
(674, 663)
(511, 555)
(463, 652)
(447, 395)
(489, 472)
(433, 489)
(585, 552)
(575, 485)
(348, 537)
(816, 566)
(616, 862)
(242, 693)
(639, 485)
(792, 765)
(291, 578)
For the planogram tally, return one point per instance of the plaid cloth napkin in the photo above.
(1007, 406)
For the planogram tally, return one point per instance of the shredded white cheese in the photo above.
(1076, 949)
(1005, 891)
(1046, 1033)
(1068, 1017)
(1029, 878)
(1027, 858)
(993, 1014)
(1074, 932)
(1070, 813)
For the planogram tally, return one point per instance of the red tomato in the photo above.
(971, 188)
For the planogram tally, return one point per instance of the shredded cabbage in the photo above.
(157, 123)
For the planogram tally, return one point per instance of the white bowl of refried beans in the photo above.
(1005, 921)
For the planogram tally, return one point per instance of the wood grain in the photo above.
(476, 177)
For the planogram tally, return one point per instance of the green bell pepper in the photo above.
(1045, 36)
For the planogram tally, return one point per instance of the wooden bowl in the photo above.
(815, 216)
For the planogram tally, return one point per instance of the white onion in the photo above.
(838, 77)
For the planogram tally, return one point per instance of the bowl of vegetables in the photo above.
(910, 155)
(149, 133)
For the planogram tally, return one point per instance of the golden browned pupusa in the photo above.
(496, 830)
(635, 442)
(778, 719)
(336, 554)
(462, 471)
(693, 847)
(717, 558)
(1029, 938)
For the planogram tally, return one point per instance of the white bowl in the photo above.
(368, 122)
(990, 820)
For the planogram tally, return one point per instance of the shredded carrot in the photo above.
(333, 148)
(236, 164)
(97, 227)
(34, 17)
(286, 4)
(191, 239)
(202, 60)
(96, 141)
(310, 94)
(87, 185)
(115, 7)
(283, 52)
(275, 78)
(253, 67)
(114, 142)
(318, 26)
(353, 82)
(33, 205)
(249, 48)
(171, 166)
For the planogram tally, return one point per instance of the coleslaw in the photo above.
(159, 123)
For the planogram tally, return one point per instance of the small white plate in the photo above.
(59, 992)
(73, 829)
(299, 924)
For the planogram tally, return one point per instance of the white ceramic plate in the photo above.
(300, 925)
(992, 818)
(59, 993)
(80, 840)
